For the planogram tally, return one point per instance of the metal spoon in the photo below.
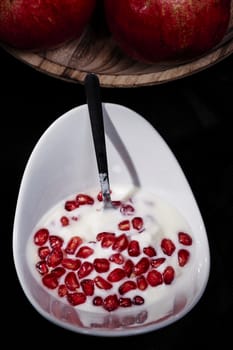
(92, 88)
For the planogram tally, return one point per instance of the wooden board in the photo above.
(96, 52)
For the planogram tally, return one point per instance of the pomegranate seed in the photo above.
(55, 257)
(124, 225)
(42, 267)
(111, 302)
(167, 246)
(41, 236)
(71, 264)
(50, 281)
(71, 205)
(128, 267)
(154, 278)
(127, 286)
(62, 290)
(83, 199)
(84, 252)
(100, 196)
(97, 301)
(127, 209)
(121, 243)
(117, 258)
(138, 300)
(71, 281)
(168, 275)
(87, 286)
(85, 269)
(157, 262)
(184, 238)
(142, 266)
(116, 204)
(64, 221)
(133, 248)
(141, 282)
(137, 223)
(58, 271)
(55, 241)
(101, 283)
(107, 239)
(125, 302)
(43, 252)
(183, 257)
(76, 298)
(116, 275)
(73, 244)
(149, 251)
(101, 265)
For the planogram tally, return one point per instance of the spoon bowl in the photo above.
(57, 168)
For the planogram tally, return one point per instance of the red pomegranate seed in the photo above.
(134, 248)
(149, 251)
(154, 278)
(168, 275)
(116, 204)
(76, 298)
(138, 300)
(127, 286)
(83, 199)
(101, 265)
(55, 257)
(137, 223)
(85, 269)
(87, 286)
(184, 238)
(71, 264)
(43, 252)
(121, 243)
(168, 247)
(73, 244)
(142, 266)
(107, 239)
(111, 302)
(50, 281)
(71, 205)
(55, 241)
(101, 283)
(41, 236)
(116, 275)
(142, 283)
(100, 196)
(97, 301)
(62, 290)
(71, 281)
(183, 257)
(64, 221)
(42, 267)
(128, 267)
(58, 271)
(84, 252)
(127, 209)
(157, 262)
(117, 258)
(124, 225)
(125, 302)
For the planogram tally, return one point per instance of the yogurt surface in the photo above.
(139, 254)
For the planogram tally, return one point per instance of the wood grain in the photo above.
(96, 52)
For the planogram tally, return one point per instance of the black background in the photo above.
(194, 116)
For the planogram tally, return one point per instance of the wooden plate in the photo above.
(96, 52)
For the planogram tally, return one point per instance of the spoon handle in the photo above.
(92, 88)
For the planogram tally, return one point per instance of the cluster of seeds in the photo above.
(76, 273)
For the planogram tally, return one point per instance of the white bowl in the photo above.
(137, 155)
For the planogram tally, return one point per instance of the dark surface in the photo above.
(194, 116)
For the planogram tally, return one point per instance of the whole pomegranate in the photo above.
(158, 30)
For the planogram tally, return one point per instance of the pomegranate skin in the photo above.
(159, 30)
(36, 24)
